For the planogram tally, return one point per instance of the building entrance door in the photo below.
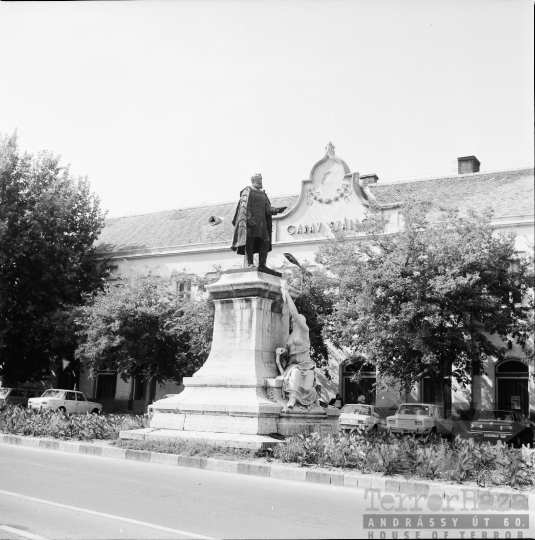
(512, 391)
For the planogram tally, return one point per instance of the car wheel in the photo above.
(95, 411)
(62, 410)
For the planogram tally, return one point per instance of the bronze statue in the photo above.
(252, 223)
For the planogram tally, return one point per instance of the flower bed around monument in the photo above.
(15, 420)
(431, 458)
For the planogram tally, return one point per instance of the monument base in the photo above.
(236, 397)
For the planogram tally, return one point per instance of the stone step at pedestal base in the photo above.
(229, 440)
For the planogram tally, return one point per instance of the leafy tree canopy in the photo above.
(425, 300)
(49, 222)
(139, 326)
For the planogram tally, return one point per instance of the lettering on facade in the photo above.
(334, 226)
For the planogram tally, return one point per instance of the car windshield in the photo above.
(52, 393)
(418, 410)
(4, 392)
(496, 415)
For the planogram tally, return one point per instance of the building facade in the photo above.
(196, 240)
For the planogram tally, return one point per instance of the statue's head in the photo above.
(256, 181)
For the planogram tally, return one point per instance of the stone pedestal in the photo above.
(237, 392)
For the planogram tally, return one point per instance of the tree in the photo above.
(138, 326)
(49, 222)
(424, 301)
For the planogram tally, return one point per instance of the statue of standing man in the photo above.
(252, 223)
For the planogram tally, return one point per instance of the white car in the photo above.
(419, 418)
(67, 401)
(364, 417)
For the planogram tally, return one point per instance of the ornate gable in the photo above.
(330, 200)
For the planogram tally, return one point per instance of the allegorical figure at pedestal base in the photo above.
(252, 222)
(299, 373)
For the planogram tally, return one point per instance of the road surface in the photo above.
(58, 495)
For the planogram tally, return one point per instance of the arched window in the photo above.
(512, 367)
(512, 389)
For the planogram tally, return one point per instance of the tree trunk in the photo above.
(131, 394)
(150, 392)
(438, 384)
(475, 387)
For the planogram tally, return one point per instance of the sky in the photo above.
(165, 104)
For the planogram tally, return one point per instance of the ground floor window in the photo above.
(139, 387)
(427, 393)
(365, 386)
(512, 389)
(106, 385)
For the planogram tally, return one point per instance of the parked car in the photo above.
(420, 418)
(18, 396)
(68, 401)
(363, 417)
(509, 427)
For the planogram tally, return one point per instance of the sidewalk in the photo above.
(503, 498)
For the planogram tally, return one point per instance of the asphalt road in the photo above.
(57, 495)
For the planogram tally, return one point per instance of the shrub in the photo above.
(84, 427)
(433, 458)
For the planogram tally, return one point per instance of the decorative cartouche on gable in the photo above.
(331, 179)
(331, 200)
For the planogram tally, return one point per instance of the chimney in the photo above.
(468, 164)
(366, 179)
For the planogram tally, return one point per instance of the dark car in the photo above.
(18, 396)
(509, 427)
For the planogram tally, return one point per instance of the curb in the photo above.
(486, 498)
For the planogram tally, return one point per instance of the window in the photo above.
(139, 387)
(70, 396)
(106, 384)
(512, 366)
(512, 386)
(80, 396)
(357, 409)
(181, 286)
(427, 392)
(365, 386)
(418, 410)
(506, 416)
(53, 393)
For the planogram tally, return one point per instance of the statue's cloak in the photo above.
(252, 219)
